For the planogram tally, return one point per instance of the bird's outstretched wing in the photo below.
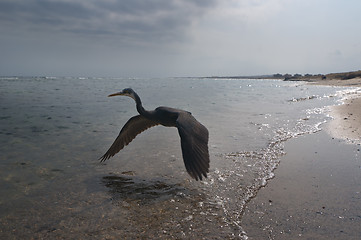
(131, 129)
(194, 142)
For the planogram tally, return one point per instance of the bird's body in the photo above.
(194, 136)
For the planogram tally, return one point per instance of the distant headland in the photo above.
(300, 77)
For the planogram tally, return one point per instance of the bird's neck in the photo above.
(140, 107)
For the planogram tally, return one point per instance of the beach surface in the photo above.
(346, 123)
(353, 82)
(316, 192)
(346, 120)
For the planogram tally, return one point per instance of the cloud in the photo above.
(182, 37)
(130, 20)
(249, 10)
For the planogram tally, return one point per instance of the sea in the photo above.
(53, 130)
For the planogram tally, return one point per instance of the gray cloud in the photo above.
(176, 37)
(157, 20)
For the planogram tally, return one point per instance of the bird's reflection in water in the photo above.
(144, 191)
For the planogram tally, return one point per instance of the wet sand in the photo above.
(316, 192)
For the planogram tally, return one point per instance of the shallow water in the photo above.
(53, 130)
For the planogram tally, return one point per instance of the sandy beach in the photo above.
(347, 120)
(316, 192)
(346, 117)
(354, 82)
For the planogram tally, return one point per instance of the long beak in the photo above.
(116, 94)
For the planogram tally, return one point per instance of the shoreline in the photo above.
(353, 82)
(346, 122)
(315, 193)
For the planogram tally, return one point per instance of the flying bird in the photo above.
(193, 135)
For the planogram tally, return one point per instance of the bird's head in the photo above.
(126, 92)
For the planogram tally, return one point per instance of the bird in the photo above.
(193, 135)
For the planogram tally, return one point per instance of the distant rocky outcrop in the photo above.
(317, 77)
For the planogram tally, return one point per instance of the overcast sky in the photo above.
(159, 38)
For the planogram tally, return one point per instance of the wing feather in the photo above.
(131, 129)
(194, 143)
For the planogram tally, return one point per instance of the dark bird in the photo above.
(194, 136)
